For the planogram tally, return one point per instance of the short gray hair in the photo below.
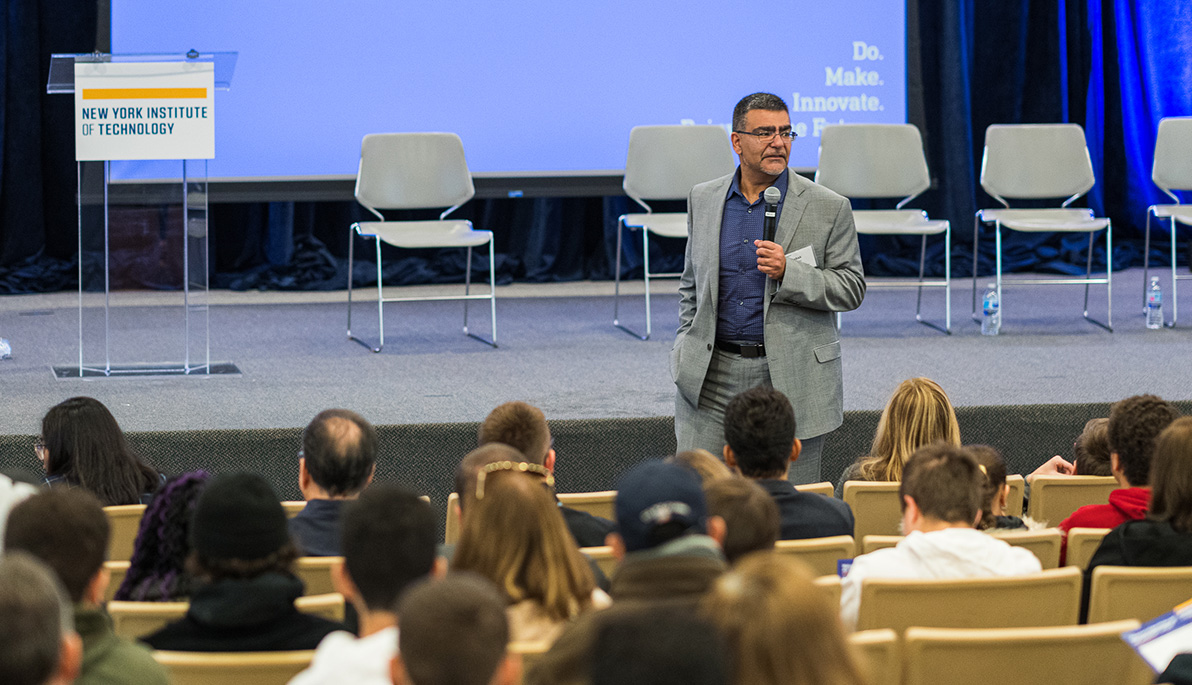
(767, 101)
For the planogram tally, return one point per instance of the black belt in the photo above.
(748, 351)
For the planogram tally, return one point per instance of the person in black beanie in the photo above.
(243, 558)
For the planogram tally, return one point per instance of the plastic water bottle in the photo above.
(991, 322)
(1154, 305)
(5, 349)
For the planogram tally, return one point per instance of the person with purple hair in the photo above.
(157, 571)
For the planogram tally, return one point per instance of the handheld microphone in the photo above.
(771, 196)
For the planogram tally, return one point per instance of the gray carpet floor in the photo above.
(558, 350)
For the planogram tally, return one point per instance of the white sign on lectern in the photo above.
(144, 110)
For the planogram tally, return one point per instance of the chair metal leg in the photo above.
(351, 255)
(997, 240)
(617, 285)
(976, 237)
(1146, 260)
(948, 279)
(380, 300)
(646, 274)
(351, 258)
(1175, 305)
(492, 284)
(1108, 324)
(947, 328)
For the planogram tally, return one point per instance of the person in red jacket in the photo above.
(1134, 423)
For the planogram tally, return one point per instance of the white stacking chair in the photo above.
(418, 171)
(1035, 162)
(1172, 171)
(664, 163)
(887, 161)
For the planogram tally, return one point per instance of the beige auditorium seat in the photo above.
(875, 507)
(1124, 592)
(1017, 490)
(530, 652)
(595, 503)
(872, 543)
(233, 668)
(1042, 599)
(133, 620)
(1054, 498)
(1083, 544)
(292, 507)
(825, 488)
(117, 570)
(315, 573)
(820, 554)
(125, 521)
(830, 585)
(603, 556)
(451, 532)
(1044, 544)
(1023, 656)
(878, 656)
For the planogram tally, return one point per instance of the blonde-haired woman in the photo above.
(514, 535)
(919, 413)
(780, 628)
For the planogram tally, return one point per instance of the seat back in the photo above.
(1172, 169)
(1041, 599)
(595, 503)
(233, 668)
(1036, 161)
(133, 620)
(530, 652)
(1054, 498)
(603, 556)
(872, 543)
(413, 171)
(1017, 492)
(292, 507)
(878, 656)
(872, 160)
(821, 554)
(875, 506)
(117, 570)
(1083, 544)
(124, 521)
(1024, 656)
(665, 162)
(315, 573)
(451, 531)
(831, 585)
(1141, 593)
(825, 488)
(1044, 544)
(328, 605)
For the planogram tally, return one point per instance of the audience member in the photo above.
(659, 647)
(1164, 537)
(68, 531)
(1134, 423)
(515, 537)
(38, 643)
(759, 428)
(1090, 452)
(781, 629)
(524, 428)
(941, 499)
(337, 461)
(751, 521)
(454, 632)
(157, 571)
(994, 490)
(388, 544)
(82, 445)
(919, 413)
(709, 467)
(669, 552)
(243, 558)
(468, 471)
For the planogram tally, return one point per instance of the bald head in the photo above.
(340, 451)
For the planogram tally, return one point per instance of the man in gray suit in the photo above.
(758, 312)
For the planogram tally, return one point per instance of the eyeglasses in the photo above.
(765, 135)
(39, 448)
(516, 466)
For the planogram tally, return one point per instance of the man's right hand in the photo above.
(1056, 466)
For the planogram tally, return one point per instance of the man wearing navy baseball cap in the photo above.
(669, 553)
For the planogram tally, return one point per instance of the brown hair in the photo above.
(749, 512)
(704, 463)
(1171, 476)
(516, 537)
(453, 631)
(467, 473)
(780, 627)
(993, 471)
(945, 483)
(1134, 423)
(67, 530)
(214, 569)
(919, 413)
(519, 425)
(1091, 450)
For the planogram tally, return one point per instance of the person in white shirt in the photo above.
(388, 544)
(941, 494)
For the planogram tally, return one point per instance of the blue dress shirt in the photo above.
(739, 313)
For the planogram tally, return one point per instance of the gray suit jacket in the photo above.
(802, 343)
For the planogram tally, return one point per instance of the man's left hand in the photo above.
(771, 260)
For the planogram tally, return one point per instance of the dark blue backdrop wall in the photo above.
(1114, 66)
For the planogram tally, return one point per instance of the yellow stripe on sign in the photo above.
(144, 93)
